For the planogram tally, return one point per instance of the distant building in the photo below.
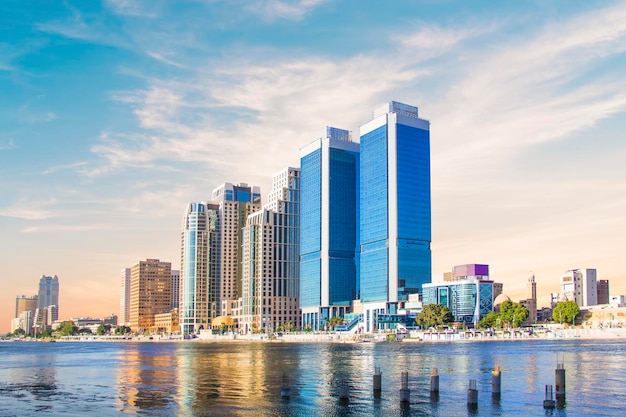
(24, 304)
(271, 256)
(531, 302)
(125, 296)
(48, 291)
(618, 301)
(166, 322)
(24, 321)
(580, 285)
(468, 293)
(110, 320)
(150, 292)
(603, 291)
(329, 223)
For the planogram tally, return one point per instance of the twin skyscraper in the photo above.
(346, 233)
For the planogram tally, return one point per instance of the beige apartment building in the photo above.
(150, 292)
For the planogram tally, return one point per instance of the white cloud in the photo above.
(284, 9)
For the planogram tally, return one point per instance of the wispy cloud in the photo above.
(133, 8)
(65, 228)
(7, 144)
(284, 9)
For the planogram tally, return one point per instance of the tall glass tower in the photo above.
(198, 286)
(48, 292)
(395, 207)
(329, 227)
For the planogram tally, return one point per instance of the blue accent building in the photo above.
(395, 209)
(329, 227)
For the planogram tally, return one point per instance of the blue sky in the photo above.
(115, 114)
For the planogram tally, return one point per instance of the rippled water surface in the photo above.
(244, 379)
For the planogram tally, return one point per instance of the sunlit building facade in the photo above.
(150, 292)
(271, 255)
(198, 274)
(395, 209)
(235, 203)
(125, 296)
(580, 285)
(329, 243)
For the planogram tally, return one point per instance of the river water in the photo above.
(244, 379)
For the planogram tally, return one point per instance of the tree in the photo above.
(334, 322)
(513, 313)
(489, 321)
(121, 330)
(433, 315)
(565, 312)
(68, 328)
(19, 332)
(102, 329)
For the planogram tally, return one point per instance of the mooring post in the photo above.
(496, 383)
(548, 402)
(405, 393)
(472, 394)
(378, 376)
(344, 390)
(285, 389)
(559, 384)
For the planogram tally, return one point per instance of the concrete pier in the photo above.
(559, 384)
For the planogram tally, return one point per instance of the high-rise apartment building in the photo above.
(150, 292)
(395, 209)
(235, 204)
(271, 256)
(48, 292)
(198, 263)
(25, 303)
(48, 296)
(329, 244)
(25, 309)
(580, 285)
(175, 288)
(125, 296)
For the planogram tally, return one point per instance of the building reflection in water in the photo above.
(147, 378)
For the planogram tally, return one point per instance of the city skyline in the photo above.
(116, 115)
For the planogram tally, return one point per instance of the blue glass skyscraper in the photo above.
(395, 209)
(329, 227)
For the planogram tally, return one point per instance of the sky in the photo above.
(115, 114)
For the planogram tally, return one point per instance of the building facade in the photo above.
(580, 285)
(329, 222)
(468, 293)
(395, 209)
(198, 274)
(150, 292)
(23, 304)
(125, 296)
(175, 288)
(603, 291)
(271, 256)
(235, 204)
